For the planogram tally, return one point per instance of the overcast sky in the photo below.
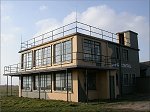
(30, 18)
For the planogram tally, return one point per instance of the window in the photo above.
(58, 50)
(125, 79)
(121, 38)
(38, 57)
(61, 81)
(46, 55)
(129, 79)
(91, 81)
(132, 79)
(26, 83)
(66, 51)
(62, 52)
(43, 56)
(125, 55)
(26, 60)
(91, 51)
(45, 82)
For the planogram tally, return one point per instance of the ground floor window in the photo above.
(26, 83)
(129, 79)
(91, 81)
(60, 80)
(42, 81)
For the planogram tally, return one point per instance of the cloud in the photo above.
(10, 39)
(46, 25)
(108, 19)
(43, 7)
(6, 7)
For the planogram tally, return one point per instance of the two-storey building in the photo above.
(77, 62)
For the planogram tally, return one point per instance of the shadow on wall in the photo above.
(143, 84)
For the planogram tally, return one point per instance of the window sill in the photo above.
(42, 91)
(26, 90)
(57, 91)
(63, 63)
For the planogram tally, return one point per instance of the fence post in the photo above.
(90, 30)
(76, 26)
(63, 31)
(112, 37)
(52, 35)
(34, 41)
(102, 33)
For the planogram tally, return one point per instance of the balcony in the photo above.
(106, 62)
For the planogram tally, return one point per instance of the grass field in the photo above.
(3, 90)
(16, 104)
(131, 103)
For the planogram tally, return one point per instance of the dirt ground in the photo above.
(137, 102)
(136, 106)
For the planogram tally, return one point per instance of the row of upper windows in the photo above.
(63, 53)
(41, 57)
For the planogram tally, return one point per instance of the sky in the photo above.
(26, 19)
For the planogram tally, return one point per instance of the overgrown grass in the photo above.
(16, 104)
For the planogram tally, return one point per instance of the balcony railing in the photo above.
(105, 62)
(73, 27)
(12, 69)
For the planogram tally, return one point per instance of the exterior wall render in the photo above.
(55, 94)
(102, 90)
(105, 51)
(54, 65)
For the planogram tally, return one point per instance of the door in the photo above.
(112, 87)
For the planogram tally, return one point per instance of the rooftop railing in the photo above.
(73, 27)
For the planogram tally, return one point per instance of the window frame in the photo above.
(26, 60)
(63, 82)
(61, 52)
(42, 82)
(125, 54)
(89, 51)
(27, 83)
(126, 79)
(42, 55)
(91, 76)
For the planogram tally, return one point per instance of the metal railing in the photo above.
(73, 27)
(12, 69)
(104, 62)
